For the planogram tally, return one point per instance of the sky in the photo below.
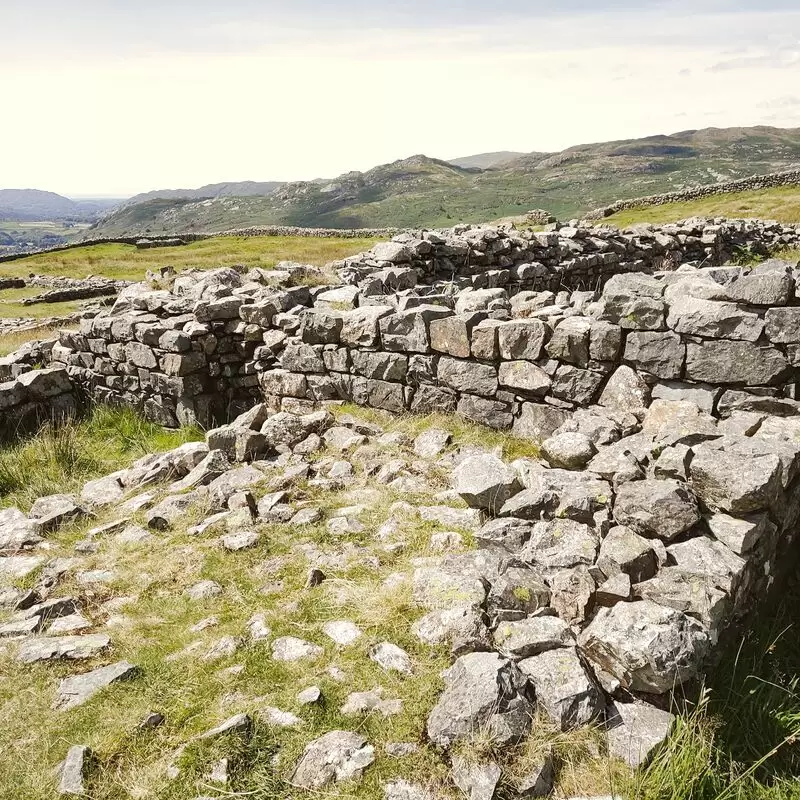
(113, 97)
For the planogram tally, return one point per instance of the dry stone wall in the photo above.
(752, 183)
(33, 397)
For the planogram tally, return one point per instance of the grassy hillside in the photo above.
(421, 191)
(781, 203)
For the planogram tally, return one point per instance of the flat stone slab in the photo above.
(77, 689)
(73, 648)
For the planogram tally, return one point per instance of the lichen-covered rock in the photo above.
(334, 757)
(646, 647)
(635, 730)
(482, 692)
(656, 509)
(485, 481)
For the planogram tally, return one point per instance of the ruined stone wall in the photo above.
(752, 183)
(33, 397)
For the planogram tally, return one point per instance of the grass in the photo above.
(125, 262)
(717, 752)
(61, 458)
(780, 203)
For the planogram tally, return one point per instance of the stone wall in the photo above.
(33, 397)
(753, 183)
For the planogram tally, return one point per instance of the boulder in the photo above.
(77, 689)
(563, 687)
(646, 647)
(336, 756)
(531, 636)
(635, 730)
(485, 482)
(568, 450)
(656, 509)
(483, 692)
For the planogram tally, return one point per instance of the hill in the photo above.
(210, 190)
(423, 191)
(486, 160)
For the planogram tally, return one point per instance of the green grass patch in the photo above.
(781, 203)
(60, 458)
(125, 262)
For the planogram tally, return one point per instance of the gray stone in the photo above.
(573, 593)
(716, 320)
(441, 588)
(559, 544)
(783, 325)
(476, 781)
(740, 535)
(538, 421)
(576, 385)
(570, 341)
(531, 636)
(763, 288)
(461, 627)
(290, 648)
(72, 648)
(74, 771)
(521, 339)
(17, 531)
(54, 510)
(635, 730)
(240, 540)
(646, 647)
(568, 450)
(625, 391)
(391, 658)
(523, 377)
(492, 413)
(516, 594)
(360, 326)
(656, 509)
(482, 692)
(727, 480)
(432, 442)
(624, 551)
(485, 482)
(239, 724)
(729, 362)
(77, 689)
(563, 687)
(660, 354)
(336, 756)
(203, 590)
(467, 376)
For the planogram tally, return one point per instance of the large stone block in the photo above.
(521, 339)
(523, 377)
(493, 413)
(467, 376)
(660, 354)
(730, 362)
(570, 341)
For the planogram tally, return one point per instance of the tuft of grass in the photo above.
(60, 458)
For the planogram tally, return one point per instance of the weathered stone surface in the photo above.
(559, 544)
(625, 391)
(74, 770)
(72, 648)
(54, 510)
(391, 658)
(537, 421)
(727, 481)
(624, 551)
(516, 594)
(461, 627)
(17, 531)
(660, 354)
(467, 376)
(725, 362)
(635, 730)
(656, 509)
(570, 341)
(493, 413)
(290, 648)
(521, 339)
(646, 647)
(783, 325)
(334, 757)
(77, 689)
(484, 481)
(482, 692)
(476, 781)
(439, 587)
(563, 687)
(531, 636)
(523, 377)
(712, 319)
(568, 450)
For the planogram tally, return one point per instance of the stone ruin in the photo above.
(664, 506)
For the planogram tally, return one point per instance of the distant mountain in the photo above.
(485, 160)
(210, 191)
(34, 205)
(428, 192)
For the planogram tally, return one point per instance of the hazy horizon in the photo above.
(111, 100)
